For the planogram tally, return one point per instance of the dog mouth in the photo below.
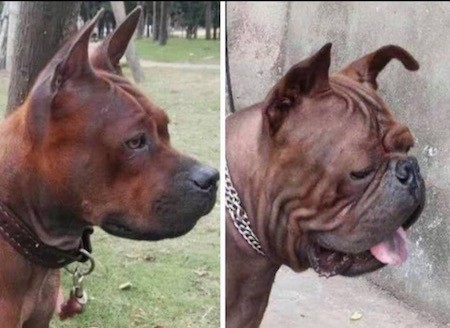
(116, 227)
(172, 216)
(391, 251)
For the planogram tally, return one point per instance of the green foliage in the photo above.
(191, 15)
(192, 12)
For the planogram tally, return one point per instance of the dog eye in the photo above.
(138, 142)
(359, 175)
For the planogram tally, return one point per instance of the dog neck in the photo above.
(53, 223)
(244, 162)
(249, 280)
(247, 162)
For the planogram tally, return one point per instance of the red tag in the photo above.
(71, 307)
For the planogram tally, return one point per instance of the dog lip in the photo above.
(121, 230)
(117, 229)
(347, 265)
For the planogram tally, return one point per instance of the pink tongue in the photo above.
(392, 251)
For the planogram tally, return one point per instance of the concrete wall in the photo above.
(265, 39)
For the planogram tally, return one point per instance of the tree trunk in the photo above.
(41, 28)
(147, 22)
(208, 20)
(13, 17)
(3, 35)
(141, 24)
(156, 19)
(101, 28)
(118, 8)
(165, 5)
(216, 20)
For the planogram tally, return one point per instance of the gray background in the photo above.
(265, 39)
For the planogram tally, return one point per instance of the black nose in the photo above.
(204, 177)
(407, 171)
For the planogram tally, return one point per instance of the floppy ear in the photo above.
(308, 78)
(366, 69)
(107, 55)
(70, 62)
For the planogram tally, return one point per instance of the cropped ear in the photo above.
(308, 78)
(107, 55)
(72, 59)
(366, 69)
(70, 62)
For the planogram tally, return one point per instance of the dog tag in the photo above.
(77, 299)
(71, 307)
(83, 298)
(78, 288)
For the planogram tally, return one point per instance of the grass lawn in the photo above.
(196, 51)
(175, 283)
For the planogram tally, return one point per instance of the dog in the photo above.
(319, 177)
(85, 149)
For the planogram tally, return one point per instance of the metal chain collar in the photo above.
(238, 214)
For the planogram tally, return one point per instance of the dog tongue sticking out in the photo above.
(392, 251)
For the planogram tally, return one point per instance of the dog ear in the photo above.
(308, 78)
(70, 62)
(72, 59)
(107, 55)
(366, 69)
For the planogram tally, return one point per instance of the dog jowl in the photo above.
(85, 149)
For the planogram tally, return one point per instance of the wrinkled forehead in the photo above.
(351, 115)
(125, 95)
(363, 105)
(372, 112)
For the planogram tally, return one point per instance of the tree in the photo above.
(193, 12)
(3, 35)
(142, 21)
(106, 24)
(156, 19)
(13, 18)
(208, 19)
(147, 20)
(216, 18)
(36, 40)
(118, 8)
(163, 33)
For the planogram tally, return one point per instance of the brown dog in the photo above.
(321, 170)
(86, 149)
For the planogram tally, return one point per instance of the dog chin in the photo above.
(121, 229)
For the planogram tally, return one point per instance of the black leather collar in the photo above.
(27, 243)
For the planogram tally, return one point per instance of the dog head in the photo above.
(100, 149)
(339, 170)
